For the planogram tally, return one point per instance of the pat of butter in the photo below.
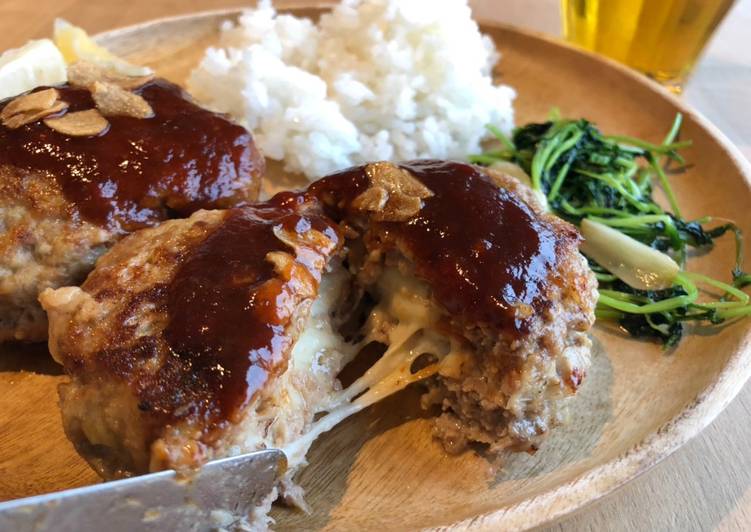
(35, 64)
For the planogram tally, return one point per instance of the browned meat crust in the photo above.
(181, 332)
(64, 200)
(43, 243)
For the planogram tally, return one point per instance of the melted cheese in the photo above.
(405, 317)
(319, 347)
(309, 382)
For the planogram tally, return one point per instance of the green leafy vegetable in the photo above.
(585, 174)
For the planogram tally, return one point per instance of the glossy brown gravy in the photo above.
(483, 251)
(141, 171)
(229, 311)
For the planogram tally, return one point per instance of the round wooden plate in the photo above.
(381, 469)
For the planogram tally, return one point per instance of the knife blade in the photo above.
(212, 498)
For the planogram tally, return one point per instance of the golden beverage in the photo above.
(661, 38)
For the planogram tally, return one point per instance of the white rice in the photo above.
(373, 80)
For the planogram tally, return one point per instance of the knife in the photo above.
(216, 497)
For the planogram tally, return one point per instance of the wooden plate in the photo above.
(381, 469)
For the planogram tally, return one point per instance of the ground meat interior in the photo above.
(502, 395)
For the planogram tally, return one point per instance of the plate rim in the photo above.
(591, 486)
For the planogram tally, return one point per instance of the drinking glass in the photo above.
(661, 38)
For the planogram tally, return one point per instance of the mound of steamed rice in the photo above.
(373, 80)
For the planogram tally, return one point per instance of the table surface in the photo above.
(706, 485)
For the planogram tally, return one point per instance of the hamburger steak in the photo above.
(499, 281)
(66, 199)
(225, 332)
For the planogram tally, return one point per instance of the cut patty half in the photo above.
(474, 279)
(225, 333)
(65, 199)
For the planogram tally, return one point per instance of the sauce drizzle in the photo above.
(229, 311)
(141, 171)
(483, 251)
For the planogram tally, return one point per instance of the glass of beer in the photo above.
(661, 38)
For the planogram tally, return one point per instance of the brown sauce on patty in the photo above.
(483, 251)
(141, 171)
(229, 310)
(486, 255)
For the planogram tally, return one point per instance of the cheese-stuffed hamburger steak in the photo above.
(467, 268)
(67, 194)
(225, 332)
